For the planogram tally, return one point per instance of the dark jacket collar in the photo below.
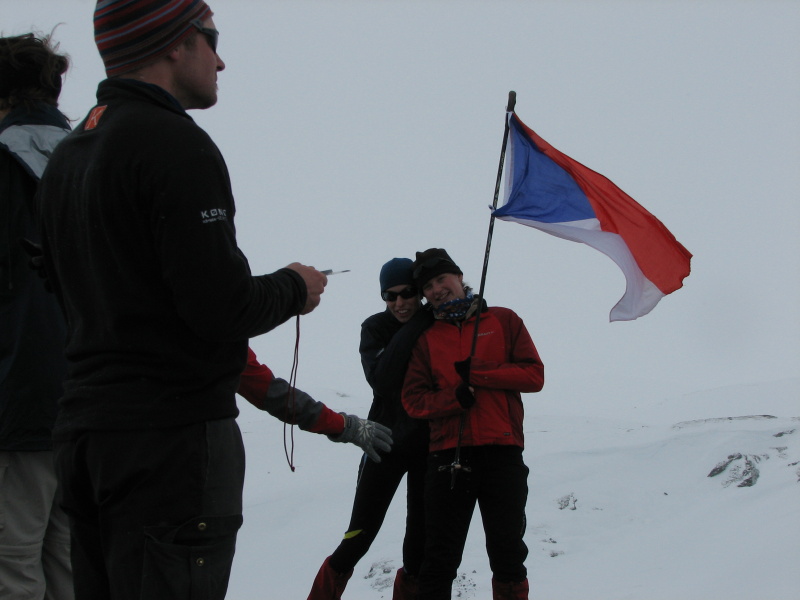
(40, 114)
(133, 89)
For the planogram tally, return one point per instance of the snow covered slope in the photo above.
(622, 504)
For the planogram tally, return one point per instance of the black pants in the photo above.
(153, 513)
(377, 484)
(494, 477)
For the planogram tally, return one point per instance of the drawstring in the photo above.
(291, 404)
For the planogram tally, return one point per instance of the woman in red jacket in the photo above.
(473, 405)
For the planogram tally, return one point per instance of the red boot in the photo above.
(406, 587)
(329, 584)
(510, 590)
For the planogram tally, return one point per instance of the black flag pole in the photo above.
(512, 101)
(456, 466)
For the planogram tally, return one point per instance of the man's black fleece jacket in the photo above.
(137, 227)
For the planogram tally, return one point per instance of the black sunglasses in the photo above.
(406, 293)
(427, 264)
(212, 35)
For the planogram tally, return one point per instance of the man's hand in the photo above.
(315, 284)
(368, 435)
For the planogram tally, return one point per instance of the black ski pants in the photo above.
(496, 479)
(153, 513)
(377, 484)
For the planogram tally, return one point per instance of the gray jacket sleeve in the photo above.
(301, 410)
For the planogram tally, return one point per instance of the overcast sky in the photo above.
(357, 131)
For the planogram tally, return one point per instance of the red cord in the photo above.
(291, 400)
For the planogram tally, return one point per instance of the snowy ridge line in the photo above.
(683, 424)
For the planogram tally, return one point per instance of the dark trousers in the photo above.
(494, 477)
(377, 484)
(153, 513)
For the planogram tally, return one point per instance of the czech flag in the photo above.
(550, 191)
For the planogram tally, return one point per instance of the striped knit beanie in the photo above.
(133, 33)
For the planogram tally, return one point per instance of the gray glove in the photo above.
(368, 435)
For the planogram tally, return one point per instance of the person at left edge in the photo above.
(139, 246)
(34, 534)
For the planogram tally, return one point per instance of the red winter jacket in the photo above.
(505, 364)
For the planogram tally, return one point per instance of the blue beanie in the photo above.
(397, 271)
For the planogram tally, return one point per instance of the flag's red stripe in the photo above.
(662, 259)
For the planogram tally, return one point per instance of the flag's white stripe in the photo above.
(641, 295)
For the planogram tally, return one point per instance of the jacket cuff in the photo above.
(300, 287)
(328, 423)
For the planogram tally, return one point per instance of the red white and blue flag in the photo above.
(550, 191)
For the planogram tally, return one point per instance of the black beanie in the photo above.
(433, 262)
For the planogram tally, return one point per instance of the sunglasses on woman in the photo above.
(406, 293)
